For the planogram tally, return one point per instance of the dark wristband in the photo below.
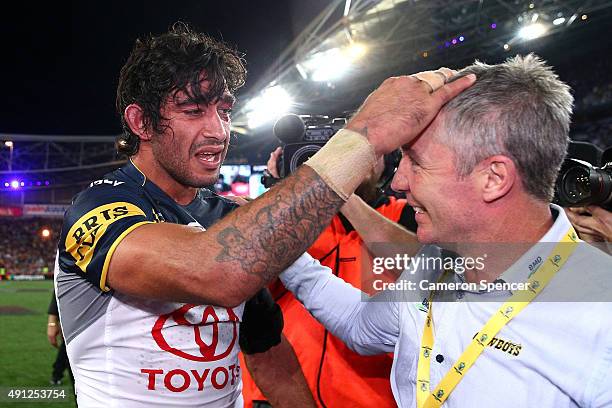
(262, 324)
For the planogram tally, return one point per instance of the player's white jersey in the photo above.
(129, 352)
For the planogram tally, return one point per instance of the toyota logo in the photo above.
(207, 327)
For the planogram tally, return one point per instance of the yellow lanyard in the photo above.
(516, 303)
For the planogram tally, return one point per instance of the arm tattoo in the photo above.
(270, 233)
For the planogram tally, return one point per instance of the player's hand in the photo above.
(402, 107)
(52, 334)
(272, 164)
(593, 223)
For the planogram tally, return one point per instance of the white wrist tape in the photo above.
(344, 162)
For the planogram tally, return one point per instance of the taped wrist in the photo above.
(262, 324)
(344, 162)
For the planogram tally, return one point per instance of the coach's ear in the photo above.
(134, 117)
(496, 176)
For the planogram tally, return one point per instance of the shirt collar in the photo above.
(535, 256)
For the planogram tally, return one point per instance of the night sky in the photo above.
(60, 63)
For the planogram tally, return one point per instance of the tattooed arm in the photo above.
(241, 253)
(237, 256)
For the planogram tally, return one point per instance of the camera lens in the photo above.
(301, 155)
(576, 184)
(580, 183)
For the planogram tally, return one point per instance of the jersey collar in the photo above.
(133, 172)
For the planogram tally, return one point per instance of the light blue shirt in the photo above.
(555, 353)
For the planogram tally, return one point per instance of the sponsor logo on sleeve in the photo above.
(86, 232)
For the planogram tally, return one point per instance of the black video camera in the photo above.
(580, 183)
(303, 135)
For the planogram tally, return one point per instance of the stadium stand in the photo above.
(25, 251)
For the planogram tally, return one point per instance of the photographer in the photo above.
(585, 190)
(336, 375)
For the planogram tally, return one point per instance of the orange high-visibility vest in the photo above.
(336, 376)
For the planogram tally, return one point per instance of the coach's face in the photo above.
(446, 206)
(195, 138)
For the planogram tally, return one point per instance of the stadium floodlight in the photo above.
(333, 63)
(558, 21)
(532, 31)
(327, 65)
(355, 51)
(272, 103)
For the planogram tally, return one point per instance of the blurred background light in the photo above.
(532, 31)
(268, 106)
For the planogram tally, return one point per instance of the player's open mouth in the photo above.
(210, 159)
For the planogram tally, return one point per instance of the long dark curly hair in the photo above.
(159, 67)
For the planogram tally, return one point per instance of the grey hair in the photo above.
(520, 109)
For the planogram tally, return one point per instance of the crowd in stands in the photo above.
(591, 86)
(598, 132)
(23, 249)
(600, 95)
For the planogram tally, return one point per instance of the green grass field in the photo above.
(26, 356)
